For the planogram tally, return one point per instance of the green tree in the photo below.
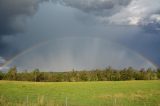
(158, 73)
(37, 76)
(117, 75)
(12, 73)
(83, 76)
(108, 73)
(1, 75)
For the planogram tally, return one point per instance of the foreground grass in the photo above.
(117, 93)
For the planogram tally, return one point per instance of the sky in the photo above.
(59, 35)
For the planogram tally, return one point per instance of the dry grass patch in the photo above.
(112, 96)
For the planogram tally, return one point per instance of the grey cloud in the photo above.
(151, 24)
(2, 60)
(13, 14)
(96, 7)
(144, 13)
(2, 68)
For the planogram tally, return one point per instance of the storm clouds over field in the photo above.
(66, 34)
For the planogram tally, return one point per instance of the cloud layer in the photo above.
(2, 60)
(96, 7)
(13, 15)
(144, 13)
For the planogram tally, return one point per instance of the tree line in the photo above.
(107, 74)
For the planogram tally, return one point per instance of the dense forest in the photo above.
(107, 74)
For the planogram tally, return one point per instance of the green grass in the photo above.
(117, 93)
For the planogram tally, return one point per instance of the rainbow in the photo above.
(47, 41)
(24, 52)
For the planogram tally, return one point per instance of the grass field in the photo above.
(117, 93)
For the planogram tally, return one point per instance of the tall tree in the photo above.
(12, 73)
(158, 73)
(1, 75)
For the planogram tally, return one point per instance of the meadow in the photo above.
(106, 93)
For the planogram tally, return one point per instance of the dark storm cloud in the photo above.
(3, 47)
(13, 14)
(151, 25)
(96, 7)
